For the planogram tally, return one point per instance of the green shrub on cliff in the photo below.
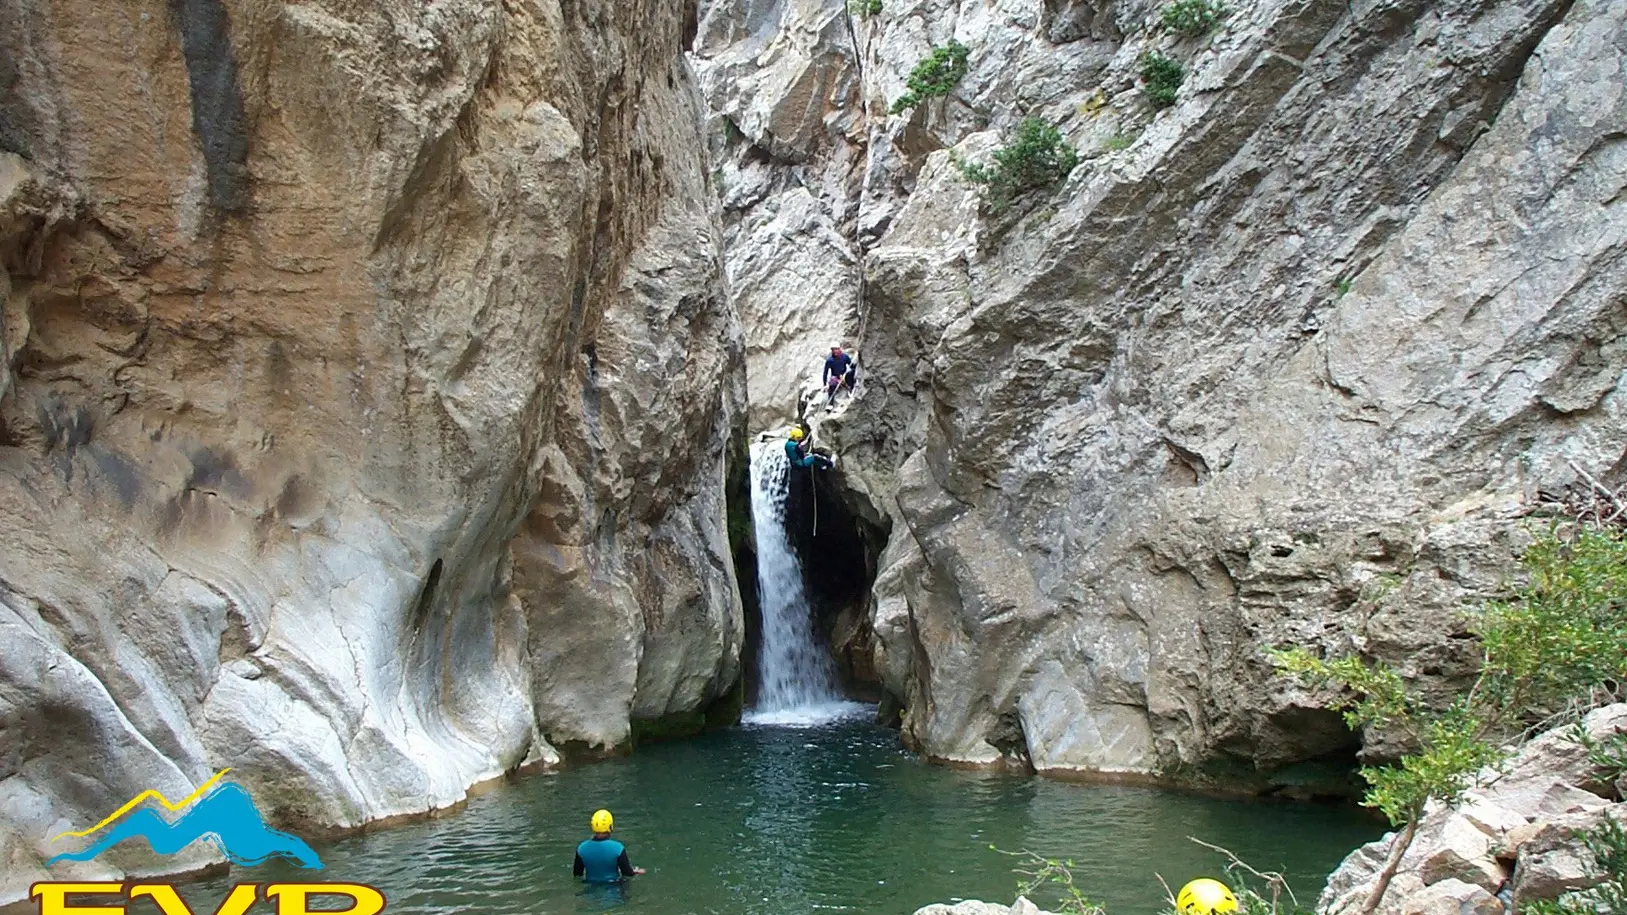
(1161, 78)
(935, 76)
(864, 9)
(1192, 17)
(1557, 641)
(1036, 159)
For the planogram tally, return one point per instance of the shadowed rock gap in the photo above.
(743, 549)
(839, 553)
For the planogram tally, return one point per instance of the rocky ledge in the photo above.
(977, 907)
(1514, 839)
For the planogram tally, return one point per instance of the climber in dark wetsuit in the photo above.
(840, 372)
(796, 451)
(602, 859)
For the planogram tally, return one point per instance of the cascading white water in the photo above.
(796, 681)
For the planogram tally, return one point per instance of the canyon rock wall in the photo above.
(1291, 362)
(333, 336)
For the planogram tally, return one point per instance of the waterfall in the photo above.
(796, 679)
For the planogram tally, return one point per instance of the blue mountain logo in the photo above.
(220, 812)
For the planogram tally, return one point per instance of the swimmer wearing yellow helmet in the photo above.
(1204, 896)
(602, 859)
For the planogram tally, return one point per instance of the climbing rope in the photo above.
(813, 486)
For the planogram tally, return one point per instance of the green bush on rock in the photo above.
(1161, 78)
(1036, 159)
(1119, 142)
(864, 9)
(935, 76)
(1192, 17)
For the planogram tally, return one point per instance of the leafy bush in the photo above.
(864, 8)
(1161, 78)
(1609, 755)
(1558, 640)
(1193, 17)
(935, 76)
(1035, 871)
(1036, 159)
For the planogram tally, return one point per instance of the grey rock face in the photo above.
(783, 88)
(1453, 897)
(326, 449)
(1285, 364)
(1554, 861)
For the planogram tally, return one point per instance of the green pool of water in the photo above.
(838, 818)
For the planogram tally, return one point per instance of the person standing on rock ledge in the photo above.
(840, 372)
(602, 859)
(798, 453)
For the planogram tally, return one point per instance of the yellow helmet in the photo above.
(796, 434)
(1204, 896)
(602, 821)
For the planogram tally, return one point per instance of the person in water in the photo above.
(800, 455)
(602, 859)
(840, 372)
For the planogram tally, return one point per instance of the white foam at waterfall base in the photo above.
(796, 680)
(809, 716)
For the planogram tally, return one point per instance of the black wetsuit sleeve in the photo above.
(625, 864)
(578, 869)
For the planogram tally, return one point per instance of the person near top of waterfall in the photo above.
(840, 372)
(800, 454)
(602, 859)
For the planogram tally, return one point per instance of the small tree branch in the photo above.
(1168, 893)
(1274, 879)
(1397, 852)
(1607, 493)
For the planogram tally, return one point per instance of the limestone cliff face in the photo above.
(1289, 362)
(333, 336)
(788, 131)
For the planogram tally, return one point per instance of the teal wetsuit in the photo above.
(793, 453)
(602, 861)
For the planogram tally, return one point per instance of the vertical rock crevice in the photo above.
(217, 99)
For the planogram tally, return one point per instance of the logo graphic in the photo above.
(221, 812)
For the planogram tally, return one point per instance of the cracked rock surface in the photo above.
(1291, 362)
(331, 333)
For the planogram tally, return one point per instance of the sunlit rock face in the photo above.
(1290, 362)
(368, 370)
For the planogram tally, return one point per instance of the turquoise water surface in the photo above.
(788, 821)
